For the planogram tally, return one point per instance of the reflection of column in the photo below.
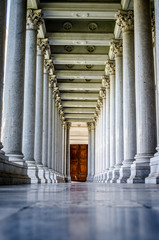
(14, 80)
(3, 6)
(145, 93)
(126, 21)
(117, 48)
(107, 127)
(41, 49)
(68, 178)
(92, 151)
(34, 20)
(110, 66)
(89, 152)
(154, 162)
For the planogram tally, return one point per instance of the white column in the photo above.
(41, 48)
(89, 152)
(154, 162)
(126, 21)
(63, 148)
(117, 49)
(110, 66)
(92, 150)
(53, 135)
(107, 128)
(49, 156)
(14, 79)
(3, 6)
(68, 178)
(34, 20)
(145, 92)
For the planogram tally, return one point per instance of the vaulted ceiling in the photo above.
(79, 34)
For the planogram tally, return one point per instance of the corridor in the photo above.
(79, 211)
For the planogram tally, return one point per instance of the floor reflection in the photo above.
(79, 211)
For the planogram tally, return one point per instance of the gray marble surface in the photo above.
(79, 211)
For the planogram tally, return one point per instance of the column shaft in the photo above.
(145, 92)
(14, 81)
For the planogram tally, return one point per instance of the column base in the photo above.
(68, 179)
(125, 173)
(115, 175)
(12, 173)
(52, 176)
(33, 172)
(16, 158)
(41, 174)
(153, 177)
(109, 176)
(139, 171)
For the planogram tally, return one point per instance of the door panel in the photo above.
(78, 162)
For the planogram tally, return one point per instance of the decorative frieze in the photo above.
(110, 67)
(125, 20)
(34, 19)
(116, 46)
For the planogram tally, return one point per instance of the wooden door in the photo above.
(78, 162)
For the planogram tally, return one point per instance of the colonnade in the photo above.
(35, 135)
(130, 127)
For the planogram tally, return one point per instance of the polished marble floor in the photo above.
(79, 211)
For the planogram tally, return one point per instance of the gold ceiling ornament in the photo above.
(92, 26)
(67, 26)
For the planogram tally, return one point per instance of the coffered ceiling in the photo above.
(79, 34)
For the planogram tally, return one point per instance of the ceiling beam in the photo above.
(79, 115)
(79, 120)
(79, 104)
(79, 86)
(79, 96)
(95, 39)
(67, 74)
(80, 59)
(79, 110)
(71, 10)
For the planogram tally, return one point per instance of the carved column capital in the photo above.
(110, 67)
(125, 20)
(108, 83)
(104, 81)
(34, 19)
(43, 45)
(102, 93)
(92, 126)
(48, 65)
(68, 125)
(116, 46)
(89, 126)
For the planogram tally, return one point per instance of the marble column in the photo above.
(110, 66)
(3, 6)
(92, 151)
(68, 177)
(117, 49)
(14, 79)
(145, 92)
(89, 152)
(125, 20)
(53, 132)
(104, 127)
(107, 128)
(63, 148)
(47, 67)
(154, 162)
(41, 50)
(34, 20)
(49, 151)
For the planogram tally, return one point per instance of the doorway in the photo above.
(78, 162)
